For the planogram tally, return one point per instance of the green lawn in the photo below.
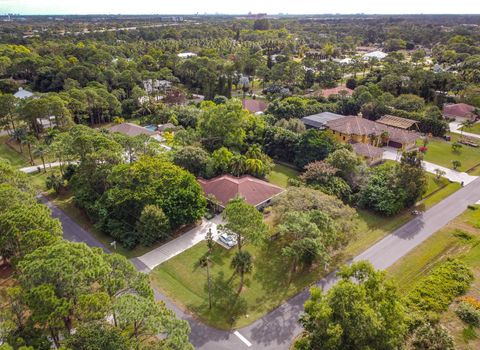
(460, 239)
(14, 158)
(440, 152)
(270, 283)
(280, 174)
(475, 129)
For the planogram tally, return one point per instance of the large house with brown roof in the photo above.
(354, 129)
(459, 111)
(226, 187)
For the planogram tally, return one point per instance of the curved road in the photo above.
(277, 329)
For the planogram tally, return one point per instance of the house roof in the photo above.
(227, 187)
(397, 122)
(336, 91)
(254, 106)
(21, 93)
(353, 125)
(375, 54)
(131, 129)
(320, 120)
(458, 110)
(367, 150)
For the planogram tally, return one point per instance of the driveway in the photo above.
(454, 176)
(34, 168)
(181, 243)
(277, 329)
(456, 126)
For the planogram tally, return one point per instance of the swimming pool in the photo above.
(151, 127)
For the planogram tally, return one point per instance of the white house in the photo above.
(379, 55)
(186, 54)
(22, 94)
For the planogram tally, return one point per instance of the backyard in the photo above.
(440, 152)
(460, 239)
(280, 174)
(14, 158)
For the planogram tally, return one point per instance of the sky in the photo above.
(41, 7)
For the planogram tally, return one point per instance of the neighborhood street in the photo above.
(277, 329)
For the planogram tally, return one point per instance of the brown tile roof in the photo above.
(458, 110)
(353, 125)
(254, 106)
(367, 150)
(131, 129)
(396, 122)
(227, 187)
(336, 91)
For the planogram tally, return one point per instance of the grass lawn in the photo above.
(280, 174)
(15, 159)
(440, 152)
(459, 239)
(474, 129)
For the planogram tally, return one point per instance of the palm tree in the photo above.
(19, 135)
(238, 165)
(242, 264)
(41, 151)
(30, 140)
(254, 166)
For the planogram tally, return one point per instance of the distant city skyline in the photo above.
(62, 7)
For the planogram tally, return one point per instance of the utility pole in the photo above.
(208, 281)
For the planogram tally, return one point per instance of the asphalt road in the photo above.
(276, 330)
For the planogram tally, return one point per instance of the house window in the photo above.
(333, 132)
(344, 138)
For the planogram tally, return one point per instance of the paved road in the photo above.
(277, 329)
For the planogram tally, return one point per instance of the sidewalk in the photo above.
(452, 175)
(34, 168)
(180, 244)
(456, 126)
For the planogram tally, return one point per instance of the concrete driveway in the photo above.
(454, 176)
(178, 245)
(456, 126)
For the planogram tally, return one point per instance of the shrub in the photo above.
(468, 314)
(436, 291)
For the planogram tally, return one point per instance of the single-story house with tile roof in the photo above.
(319, 120)
(353, 129)
(131, 129)
(459, 111)
(226, 187)
(371, 154)
(398, 122)
(254, 106)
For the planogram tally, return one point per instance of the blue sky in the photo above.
(236, 7)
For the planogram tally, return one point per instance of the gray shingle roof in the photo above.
(320, 120)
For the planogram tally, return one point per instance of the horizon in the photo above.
(219, 7)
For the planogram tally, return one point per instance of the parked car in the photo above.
(228, 240)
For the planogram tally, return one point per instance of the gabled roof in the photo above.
(320, 120)
(367, 150)
(458, 110)
(227, 187)
(360, 126)
(254, 106)
(397, 122)
(131, 129)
